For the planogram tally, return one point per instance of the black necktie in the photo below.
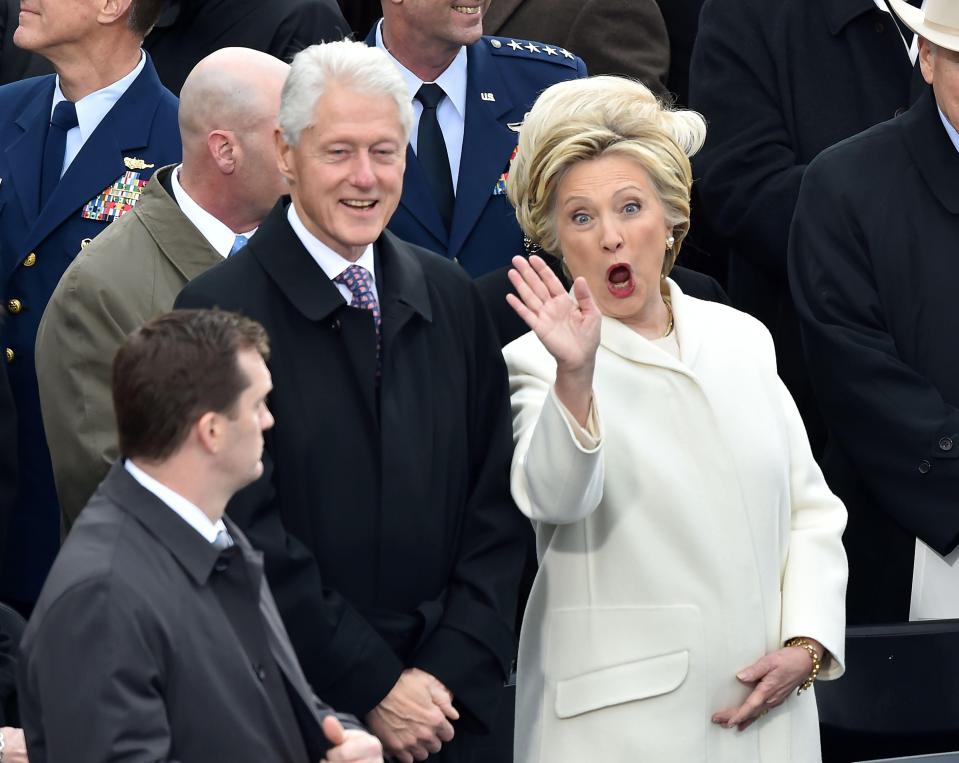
(63, 120)
(431, 151)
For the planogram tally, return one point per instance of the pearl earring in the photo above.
(669, 242)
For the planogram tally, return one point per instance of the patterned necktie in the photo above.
(359, 281)
(431, 151)
(63, 120)
(238, 243)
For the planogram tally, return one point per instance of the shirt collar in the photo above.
(452, 80)
(220, 236)
(92, 108)
(188, 512)
(331, 263)
(950, 130)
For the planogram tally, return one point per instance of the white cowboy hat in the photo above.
(939, 23)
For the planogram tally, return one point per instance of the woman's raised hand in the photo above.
(568, 329)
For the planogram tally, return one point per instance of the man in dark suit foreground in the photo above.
(873, 270)
(155, 636)
(384, 510)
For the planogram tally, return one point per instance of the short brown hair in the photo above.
(174, 369)
(144, 14)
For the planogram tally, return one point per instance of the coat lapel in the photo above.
(125, 128)
(177, 238)
(932, 150)
(487, 143)
(623, 341)
(25, 154)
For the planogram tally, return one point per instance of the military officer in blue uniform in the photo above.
(469, 126)
(76, 149)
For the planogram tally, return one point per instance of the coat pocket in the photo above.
(622, 683)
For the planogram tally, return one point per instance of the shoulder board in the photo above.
(538, 51)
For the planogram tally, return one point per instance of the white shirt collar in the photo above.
(188, 512)
(329, 261)
(452, 80)
(221, 238)
(950, 130)
(92, 108)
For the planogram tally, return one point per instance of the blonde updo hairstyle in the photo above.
(585, 119)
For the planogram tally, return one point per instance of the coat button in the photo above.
(924, 467)
(899, 112)
(945, 444)
(260, 672)
(9, 354)
(221, 564)
(84, 243)
(14, 306)
(30, 260)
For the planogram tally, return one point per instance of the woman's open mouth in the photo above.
(619, 280)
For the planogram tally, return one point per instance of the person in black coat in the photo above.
(873, 271)
(384, 513)
(778, 81)
(190, 30)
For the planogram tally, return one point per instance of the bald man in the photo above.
(191, 216)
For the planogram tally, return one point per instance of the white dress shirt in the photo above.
(451, 113)
(91, 109)
(188, 512)
(221, 238)
(935, 578)
(332, 263)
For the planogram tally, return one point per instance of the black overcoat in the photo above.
(873, 267)
(384, 512)
(778, 81)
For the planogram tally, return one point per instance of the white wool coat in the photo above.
(690, 537)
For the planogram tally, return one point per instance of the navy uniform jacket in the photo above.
(36, 246)
(504, 77)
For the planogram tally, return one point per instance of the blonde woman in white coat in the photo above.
(692, 575)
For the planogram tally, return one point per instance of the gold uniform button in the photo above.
(9, 355)
(14, 306)
(30, 260)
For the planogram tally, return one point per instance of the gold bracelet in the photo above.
(816, 662)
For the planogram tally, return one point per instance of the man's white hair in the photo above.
(353, 65)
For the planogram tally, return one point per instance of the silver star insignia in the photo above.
(549, 51)
(566, 53)
(514, 45)
(531, 48)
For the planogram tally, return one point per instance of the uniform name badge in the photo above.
(500, 188)
(115, 200)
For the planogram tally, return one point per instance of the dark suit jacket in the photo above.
(16, 64)
(778, 81)
(192, 29)
(147, 643)
(384, 512)
(625, 37)
(141, 125)
(873, 268)
(509, 326)
(484, 233)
